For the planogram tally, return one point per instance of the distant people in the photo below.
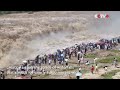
(85, 51)
(87, 63)
(66, 61)
(2, 75)
(105, 68)
(98, 46)
(75, 53)
(49, 62)
(45, 58)
(82, 59)
(79, 62)
(95, 60)
(92, 69)
(31, 77)
(78, 57)
(39, 61)
(80, 69)
(55, 60)
(69, 55)
(96, 68)
(115, 62)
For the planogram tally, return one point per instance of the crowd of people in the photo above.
(62, 57)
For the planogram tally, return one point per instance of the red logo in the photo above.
(101, 16)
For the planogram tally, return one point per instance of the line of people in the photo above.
(62, 57)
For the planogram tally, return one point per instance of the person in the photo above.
(82, 59)
(92, 69)
(75, 53)
(69, 55)
(45, 58)
(49, 61)
(78, 57)
(66, 61)
(36, 59)
(78, 75)
(62, 58)
(39, 61)
(1, 74)
(31, 77)
(85, 50)
(95, 60)
(80, 69)
(87, 63)
(105, 68)
(98, 46)
(115, 62)
(55, 59)
(96, 68)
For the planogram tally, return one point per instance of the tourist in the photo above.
(95, 60)
(66, 61)
(106, 69)
(87, 63)
(96, 68)
(79, 75)
(92, 69)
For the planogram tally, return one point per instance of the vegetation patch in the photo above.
(91, 55)
(115, 51)
(109, 74)
(108, 59)
(70, 69)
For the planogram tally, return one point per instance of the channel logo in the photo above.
(104, 16)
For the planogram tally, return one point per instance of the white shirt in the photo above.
(49, 61)
(66, 60)
(105, 68)
(79, 69)
(78, 53)
(79, 74)
(61, 55)
(87, 63)
(95, 59)
(96, 67)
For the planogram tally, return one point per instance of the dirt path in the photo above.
(98, 75)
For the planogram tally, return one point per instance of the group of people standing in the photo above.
(62, 57)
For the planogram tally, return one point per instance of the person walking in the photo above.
(78, 57)
(106, 69)
(66, 61)
(92, 69)
(95, 60)
(96, 68)
(79, 75)
(115, 62)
